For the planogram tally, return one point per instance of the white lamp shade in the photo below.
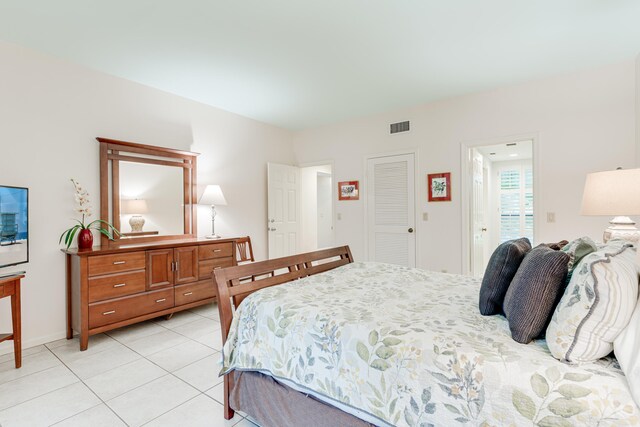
(134, 206)
(612, 193)
(213, 196)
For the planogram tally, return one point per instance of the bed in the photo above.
(388, 345)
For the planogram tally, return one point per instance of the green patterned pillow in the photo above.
(596, 305)
(577, 250)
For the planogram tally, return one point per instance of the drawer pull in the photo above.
(106, 313)
(217, 268)
(217, 250)
(119, 285)
(187, 294)
(161, 300)
(119, 262)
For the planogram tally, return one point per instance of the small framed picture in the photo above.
(439, 187)
(348, 190)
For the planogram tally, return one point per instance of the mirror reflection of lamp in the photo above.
(213, 196)
(135, 208)
(614, 193)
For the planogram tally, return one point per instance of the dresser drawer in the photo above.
(206, 267)
(184, 294)
(116, 285)
(106, 264)
(112, 311)
(217, 250)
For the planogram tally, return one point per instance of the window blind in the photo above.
(516, 203)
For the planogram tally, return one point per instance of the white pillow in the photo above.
(627, 349)
(596, 305)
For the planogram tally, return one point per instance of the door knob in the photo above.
(410, 230)
(271, 229)
(483, 229)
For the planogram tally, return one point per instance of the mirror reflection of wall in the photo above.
(161, 188)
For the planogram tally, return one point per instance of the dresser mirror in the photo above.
(147, 193)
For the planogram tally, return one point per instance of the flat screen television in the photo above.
(14, 225)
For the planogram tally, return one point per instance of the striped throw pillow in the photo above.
(596, 305)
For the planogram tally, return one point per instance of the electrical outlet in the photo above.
(425, 216)
(551, 217)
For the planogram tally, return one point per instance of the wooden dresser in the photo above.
(112, 287)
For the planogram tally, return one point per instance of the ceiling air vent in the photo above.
(399, 127)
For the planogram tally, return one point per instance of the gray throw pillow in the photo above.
(502, 266)
(534, 292)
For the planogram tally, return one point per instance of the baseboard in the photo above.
(7, 346)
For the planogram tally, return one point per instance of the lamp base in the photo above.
(213, 236)
(136, 222)
(622, 227)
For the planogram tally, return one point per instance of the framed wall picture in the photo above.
(348, 190)
(439, 187)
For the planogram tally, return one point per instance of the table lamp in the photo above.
(135, 207)
(614, 193)
(213, 196)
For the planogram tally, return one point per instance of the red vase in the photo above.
(85, 239)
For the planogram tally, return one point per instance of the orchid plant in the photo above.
(84, 209)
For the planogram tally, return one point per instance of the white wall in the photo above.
(638, 111)
(583, 121)
(50, 113)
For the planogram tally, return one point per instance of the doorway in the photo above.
(316, 214)
(325, 210)
(300, 208)
(500, 198)
(283, 209)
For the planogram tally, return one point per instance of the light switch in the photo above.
(425, 216)
(339, 216)
(551, 217)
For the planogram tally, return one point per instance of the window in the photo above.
(515, 198)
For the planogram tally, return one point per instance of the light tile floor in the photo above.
(155, 373)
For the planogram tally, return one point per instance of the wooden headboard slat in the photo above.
(250, 287)
(326, 267)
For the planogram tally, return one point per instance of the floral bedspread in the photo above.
(409, 347)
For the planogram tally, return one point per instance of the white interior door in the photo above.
(478, 223)
(391, 209)
(283, 209)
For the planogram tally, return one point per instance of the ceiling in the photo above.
(303, 63)
(516, 150)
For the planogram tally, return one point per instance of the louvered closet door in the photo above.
(391, 210)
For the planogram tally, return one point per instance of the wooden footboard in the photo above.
(233, 284)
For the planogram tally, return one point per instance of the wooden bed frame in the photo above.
(233, 284)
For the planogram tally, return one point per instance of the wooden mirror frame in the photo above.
(111, 154)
